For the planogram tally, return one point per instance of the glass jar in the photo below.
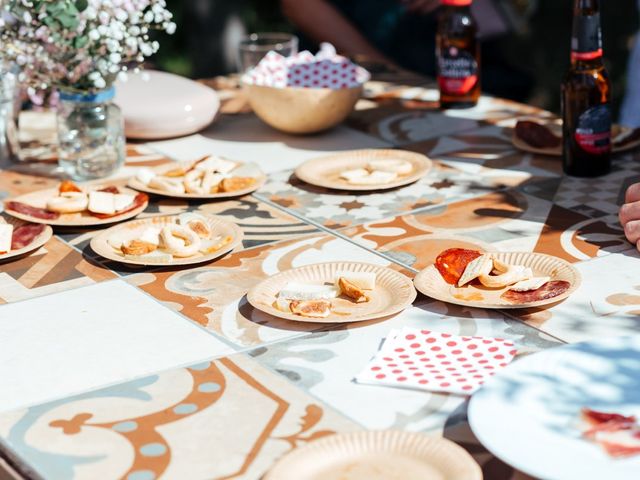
(90, 134)
(8, 130)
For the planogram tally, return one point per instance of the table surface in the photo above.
(141, 373)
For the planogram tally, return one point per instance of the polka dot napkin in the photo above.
(438, 362)
(326, 69)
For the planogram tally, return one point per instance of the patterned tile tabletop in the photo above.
(116, 372)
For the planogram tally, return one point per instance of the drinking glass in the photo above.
(255, 46)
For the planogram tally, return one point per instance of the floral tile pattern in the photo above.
(214, 295)
(53, 268)
(177, 424)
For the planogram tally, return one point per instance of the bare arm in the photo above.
(321, 21)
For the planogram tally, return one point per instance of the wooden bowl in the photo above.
(302, 110)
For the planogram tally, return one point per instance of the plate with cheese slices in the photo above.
(365, 170)
(334, 292)
(18, 237)
(545, 137)
(501, 280)
(72, 205)
(209, 177)
(184, 239)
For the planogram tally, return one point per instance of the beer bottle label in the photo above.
(457, 71)
(593, 130)
(586, 39)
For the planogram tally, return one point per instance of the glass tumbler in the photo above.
(255, 46)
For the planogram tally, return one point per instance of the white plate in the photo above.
(525, 415)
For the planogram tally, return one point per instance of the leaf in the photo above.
(82, 5)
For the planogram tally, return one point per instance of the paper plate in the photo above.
(526, 414)
(325, 171)
(430, 282)
(83, 219)
(377, 455)
(219, 225)
(556, 128)
(393, 293)
(138, 185)
(36, 243)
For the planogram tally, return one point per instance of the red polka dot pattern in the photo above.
(432, 361)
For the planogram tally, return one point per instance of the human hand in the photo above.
(422, 7)
(629, 214)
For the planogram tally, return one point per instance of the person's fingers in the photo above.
(629, 212)
(633, 193)
(632, 231)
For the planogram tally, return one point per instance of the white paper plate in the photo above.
(526, 414)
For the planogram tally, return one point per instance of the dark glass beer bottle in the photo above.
(586, 98)
(457, 55)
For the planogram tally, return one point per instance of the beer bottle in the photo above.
(457, 55)
(586, 97)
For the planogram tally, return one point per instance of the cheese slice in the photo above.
(533, 283)
(145, 175)
(122, 201)
(218, 164)
(479, 266)
(305, 291)
(283, 304)
(156, 256)
(102, 202)
(150, 235)
(375, 178)
(363, 280)
(350, 175)
(6, 233)
(401, 167)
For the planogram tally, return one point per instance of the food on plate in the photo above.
(462, 267)
(105, 202)
(617, 434)
(537, 135)
(377, 172)
(209, 175)
(15, 238)
(190, 235)
(311, 308)
(313, 300)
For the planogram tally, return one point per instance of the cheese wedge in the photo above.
(6, 233)
(150, 235)
(102, 202)
(401, 167)
(364, 280)
(480, 266)
(305, 291)
(145, 175)
(156, 256)
(375, 178)
(350, 175)
(122, 201)
(530, 284)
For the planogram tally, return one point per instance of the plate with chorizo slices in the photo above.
(209, 177)
(334, 292)
(579, 405)
(545, 137)
(501, 280)
(365, 170)
(18, 237)
(185, 239)
(72, 205)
